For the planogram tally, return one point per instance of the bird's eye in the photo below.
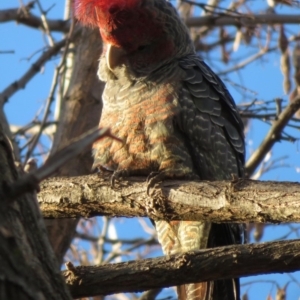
(141, 47)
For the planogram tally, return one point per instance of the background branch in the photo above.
(202, 265)
(33, 70)
(24, 16)
(273, 136)
(242, 20)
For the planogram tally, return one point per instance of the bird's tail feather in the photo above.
(195, 291)
(182, 236)
(211, 290)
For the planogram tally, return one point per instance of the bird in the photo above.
(175, 116)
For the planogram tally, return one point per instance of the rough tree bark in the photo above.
(80, 112)
(28, 266)
(220, 201)
(203, 265)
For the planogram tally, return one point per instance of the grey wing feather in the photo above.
(205, 100)
(216, 141)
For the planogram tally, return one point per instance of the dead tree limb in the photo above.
(219, 201)
(202, 265)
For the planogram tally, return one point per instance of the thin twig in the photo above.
(25, 17)
(7, 52)
(247, 61)
(31, 72)
(49, 102)
(32, 128)
(150, 295)
(272, 137)
(101, 240)
(213, 8)
(45, 23)
(242, 20)
(51, 97)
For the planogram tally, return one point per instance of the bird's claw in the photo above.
(117, 175)
(153, 178)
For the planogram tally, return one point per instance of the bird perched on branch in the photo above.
(175, 115)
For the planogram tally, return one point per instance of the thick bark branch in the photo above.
(202, 265)
(219, 201)
(79, 112)
(27, 265)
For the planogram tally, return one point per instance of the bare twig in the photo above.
(25, 17)
(272, 137)
(150, 295)
(7, 51)
(112, 255)
(49, 102)
(33, 70)
(45, 23)
(242, 20)
(51, 97)
(101, 240)
(151, 241)
(247, 61)
(33, 128)
(213, 8)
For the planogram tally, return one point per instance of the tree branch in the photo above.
(33, 70)
(30, 181)
(78, 108)
(202, 265)
(17, 14)
(242, 20)
(27, 265)
(218, 201)
(24, 16)
(273, 136)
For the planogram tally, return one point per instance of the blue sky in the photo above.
(263, 76)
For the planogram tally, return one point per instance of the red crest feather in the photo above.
(85, 10)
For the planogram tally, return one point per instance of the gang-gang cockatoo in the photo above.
(174, 114)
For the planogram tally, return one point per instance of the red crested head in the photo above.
(87, 11)
(121, 22)
(149, 32)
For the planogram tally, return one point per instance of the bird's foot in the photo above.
(153, 178)
(117, 175)
(157, 177)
